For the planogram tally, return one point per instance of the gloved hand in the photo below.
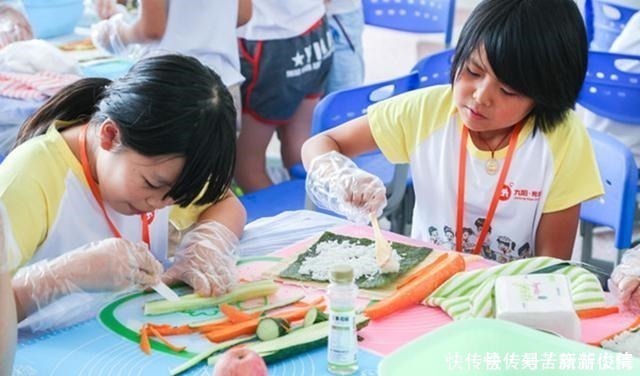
(13, 26)
(206, 260)
(109, 265)
(334, 182)
(108, 8)
(625, 280)
(107, 35)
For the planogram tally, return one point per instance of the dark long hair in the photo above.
(164, 105)
(537, 47)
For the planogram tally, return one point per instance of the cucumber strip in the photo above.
(242, 292)
(207, 353)
(296, 342)
(267, 307)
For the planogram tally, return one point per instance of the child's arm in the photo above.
(8, 331)
(351, 139)
(557, 232)
(245, 11)
(333, 181)
(206, 257)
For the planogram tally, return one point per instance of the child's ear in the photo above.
(109, 135)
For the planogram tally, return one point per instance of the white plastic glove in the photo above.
(13, 26)
(106, 35)
(206, 260)
(107, 8)
(625, 280)
(109, 265)
(334, 182)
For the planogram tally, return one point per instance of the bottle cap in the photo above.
(341, 273)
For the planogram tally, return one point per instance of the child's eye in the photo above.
(475, 74)
(149, 184)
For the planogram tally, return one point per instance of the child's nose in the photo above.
(482, 95)
(160, 202)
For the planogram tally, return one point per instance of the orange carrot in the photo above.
(170, 345)
(312, 302)
(237, 316)
(425, 269)
(418, 287)
(596, 312)
(224, 333)
(168, 330)
(145, 346)
(633, 325)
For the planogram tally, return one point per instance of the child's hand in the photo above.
(334, 182)
(108, 265)
(625, 280)
(106, 35)
(206, 260)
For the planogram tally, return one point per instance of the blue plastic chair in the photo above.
(434, 69)
(616, 208)
(605, 21)
(610, 92)
(416, 16)
(335, 109)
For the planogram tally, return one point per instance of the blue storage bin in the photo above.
(52, 18)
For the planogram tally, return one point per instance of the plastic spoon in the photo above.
(383, 249)
(165, 291)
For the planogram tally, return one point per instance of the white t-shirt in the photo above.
(549, 172)
(204, 29)
(281, 19)
(628, 42)
(48, 209)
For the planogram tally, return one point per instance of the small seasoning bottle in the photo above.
(343, 341)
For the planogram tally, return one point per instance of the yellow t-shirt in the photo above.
(549, 172)
(47, 207)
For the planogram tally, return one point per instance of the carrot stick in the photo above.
(170, 345)
(237, 316)
(596, 312)
(312, 302)
(419, 287)
(169, 330)
(145, 346)
(225, 333)
(633, 325)
(421, 271)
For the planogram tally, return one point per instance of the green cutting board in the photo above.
(476, 346)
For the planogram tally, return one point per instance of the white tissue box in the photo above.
(540, 301)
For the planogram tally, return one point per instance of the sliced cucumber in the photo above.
(314, 316)
(271, 328)
(207, 353)
(296, 342)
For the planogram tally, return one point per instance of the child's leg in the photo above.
(251, 173)
(294, 134)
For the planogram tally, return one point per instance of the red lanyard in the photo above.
(145, 218)
(513, 141)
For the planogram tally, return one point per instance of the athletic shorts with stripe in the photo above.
(280, 73)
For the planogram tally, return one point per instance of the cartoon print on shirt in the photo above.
(450, 238)
(434, 236)
(468, 240)
(506, 249)
(486, 244)
(525, 251)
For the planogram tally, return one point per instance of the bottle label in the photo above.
(343, 342)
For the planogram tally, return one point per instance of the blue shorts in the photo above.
(280, 73)
(348, 64)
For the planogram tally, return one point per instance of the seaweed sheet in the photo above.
(411, 256)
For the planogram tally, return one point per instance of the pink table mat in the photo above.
(385, 335)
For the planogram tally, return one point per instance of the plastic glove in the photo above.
(625, 280)
(106, 35)
(13, 26)
(108, 265)
(334, 182)
(206, 260)
(108, 8)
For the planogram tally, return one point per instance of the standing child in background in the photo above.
(500, 142)
(102, 175)
(285, 55)
(346, 23)
(200, 28)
